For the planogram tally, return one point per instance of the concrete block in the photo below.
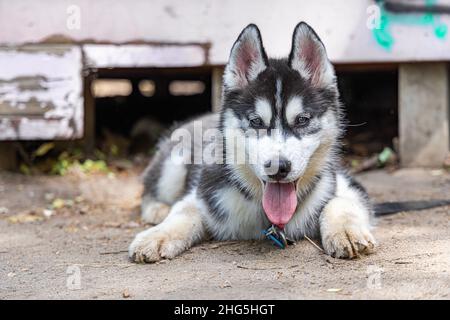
(423, 114)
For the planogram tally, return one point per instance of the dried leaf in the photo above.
(58, 203)
(71, 229)
(25, 217)
(25, 169)
(43, 149)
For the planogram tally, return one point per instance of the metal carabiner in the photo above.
(277, 236)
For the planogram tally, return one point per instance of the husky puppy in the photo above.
(295, 181)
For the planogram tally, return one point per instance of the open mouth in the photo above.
(279, 202)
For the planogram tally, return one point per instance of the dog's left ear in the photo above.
(247, 59)
(309, 57)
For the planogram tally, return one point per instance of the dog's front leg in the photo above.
(182, 228)
(345, 223)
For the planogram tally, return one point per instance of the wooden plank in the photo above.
(88, 141)
(144, 56)
(8, 158)
(344, 26)
(41, 92)
(424, 114)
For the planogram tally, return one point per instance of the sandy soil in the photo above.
(44, 257)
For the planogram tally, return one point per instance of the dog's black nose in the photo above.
(277, 169)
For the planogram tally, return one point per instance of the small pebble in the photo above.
(126, 294)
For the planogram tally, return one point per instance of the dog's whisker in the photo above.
(357, 124)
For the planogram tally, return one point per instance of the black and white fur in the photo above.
(297, 100)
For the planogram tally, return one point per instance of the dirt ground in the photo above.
(66, 238)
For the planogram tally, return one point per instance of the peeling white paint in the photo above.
(56, 75)
(28, 129)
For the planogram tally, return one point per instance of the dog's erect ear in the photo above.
(247, 59)
(309, 57)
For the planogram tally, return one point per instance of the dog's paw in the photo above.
(348, 242)
(345, 229)
(155, 212)
(155, 244)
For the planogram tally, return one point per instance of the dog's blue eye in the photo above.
(256, 122)
(302, 120)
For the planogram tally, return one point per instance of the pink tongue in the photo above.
(279, 202)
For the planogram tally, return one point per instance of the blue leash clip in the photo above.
(277, 237)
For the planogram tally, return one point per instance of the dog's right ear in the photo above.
(247, 59)
(309, 57)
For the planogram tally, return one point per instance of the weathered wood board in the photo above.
(144, 55)
(41, 92)
(348, 28)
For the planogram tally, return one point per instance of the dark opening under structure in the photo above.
(133, 102)
(140, 103)
(370, 98)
